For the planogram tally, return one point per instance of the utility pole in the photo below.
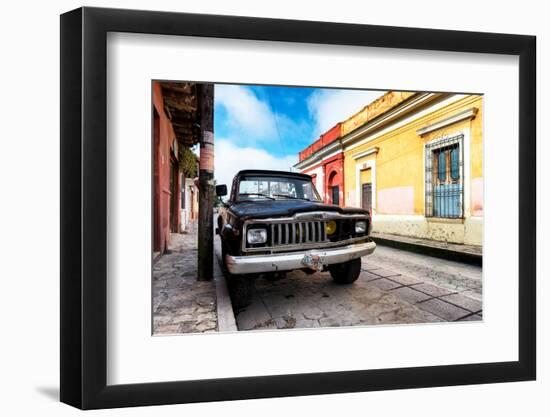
(206, 183)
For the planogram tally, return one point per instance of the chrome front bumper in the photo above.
(293, 260)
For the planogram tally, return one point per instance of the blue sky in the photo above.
(266, 126)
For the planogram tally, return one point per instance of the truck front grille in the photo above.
(295, 233)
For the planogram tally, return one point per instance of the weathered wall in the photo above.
(161, 179)
(324, 139)
(191, 210)
(400, 180)
(334, 176)
(374, 109)
(329, 172)
(319, 174)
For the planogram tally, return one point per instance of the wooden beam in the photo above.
(186, 88)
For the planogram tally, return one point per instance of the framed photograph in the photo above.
(257, 208)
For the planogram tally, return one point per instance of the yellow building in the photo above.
(416, 161)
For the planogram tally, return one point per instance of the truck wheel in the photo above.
(224, 252)
(347, 272)
(241, 289)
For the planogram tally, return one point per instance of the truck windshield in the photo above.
(258, 188)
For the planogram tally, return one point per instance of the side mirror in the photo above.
(221, 190)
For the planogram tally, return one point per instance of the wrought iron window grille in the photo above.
(444, 177)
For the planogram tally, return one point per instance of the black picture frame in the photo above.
(84, 207)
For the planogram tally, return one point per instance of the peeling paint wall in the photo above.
(377, 107)
(476, 204)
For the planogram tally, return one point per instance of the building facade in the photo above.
(324, 161)
(174, 108)
(189, 202)
(415, 161)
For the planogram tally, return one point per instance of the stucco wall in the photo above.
(161, 179)
(319, 179)
(400, 177)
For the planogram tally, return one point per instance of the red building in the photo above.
(324, 161)
(175, 124)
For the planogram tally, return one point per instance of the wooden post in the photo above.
(206, 184)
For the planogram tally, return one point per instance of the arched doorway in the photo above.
(333, 194)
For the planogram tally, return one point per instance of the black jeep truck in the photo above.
(275, 221)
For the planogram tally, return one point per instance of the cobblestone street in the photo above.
(395, 287)
(181, 304)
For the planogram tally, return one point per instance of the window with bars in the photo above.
(444, 178)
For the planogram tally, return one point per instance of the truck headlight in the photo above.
(361, 227)
(330, 227)
(255, 236)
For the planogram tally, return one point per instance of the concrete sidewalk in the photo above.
(469, 254)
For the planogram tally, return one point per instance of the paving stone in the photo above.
(181, 304)
(188, 327)
(167, 329)
(443, 309)
(384, 284)
(475, 293)
(463, 301)
(207, 309)
(304, 323)
(179, 318)
(206, 316)
(473, 317)
(431, 318)
(410, 295)
(206, 300)
(253, 315)
(280, 322)
(368, 266)
(368, 276)
(162, 321)
(206, 325)
(383, 272)
(432, 290)
(377, 297)
(313, 313)
(331, 322)
(405, 280)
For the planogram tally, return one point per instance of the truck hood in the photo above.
(283, 208)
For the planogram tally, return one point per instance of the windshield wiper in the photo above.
(258, 194)
(291, 196)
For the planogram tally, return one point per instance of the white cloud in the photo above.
(246, 113)
(230, 159)
(329, 107)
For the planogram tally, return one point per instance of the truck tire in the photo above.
(241, 289)
(347, 272)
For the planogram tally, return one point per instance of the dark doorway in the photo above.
(174, 197)
(336, 195)
(366, 196)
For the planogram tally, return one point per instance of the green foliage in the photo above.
(188, 162)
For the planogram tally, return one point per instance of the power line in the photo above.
(277, 128)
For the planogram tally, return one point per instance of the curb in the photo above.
(226, 316)
(436, 252)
